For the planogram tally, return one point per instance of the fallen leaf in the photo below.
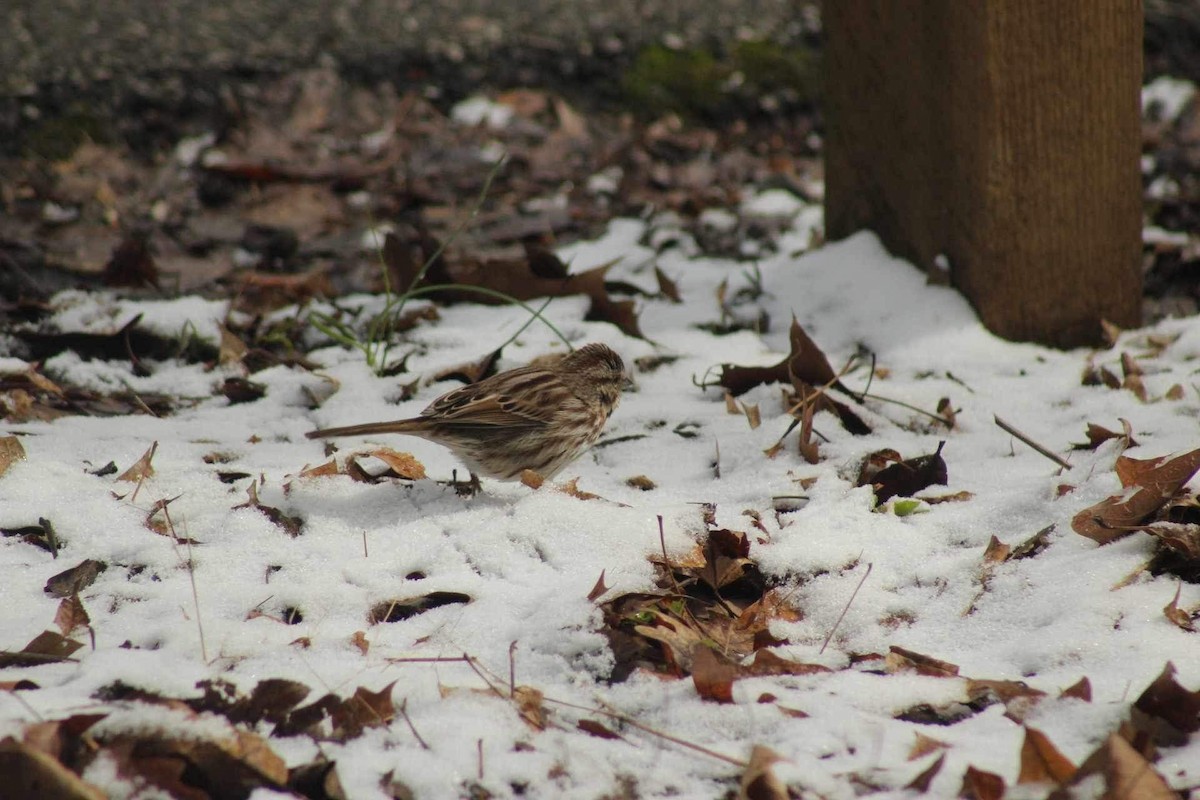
(232, 349)
(925, 777)
(47, 647)
(667, 287)
(1126, 774)
(1177, 616)
(71, 615)
(1119, 515)
(292, 526)
(596, 729)
(906, 478)
(759, 781)
(31, 774)
(980, 785)
(712, 675)
(924, 745)
(752, 415)
(142, 468)
(322, 470)
(996, 552)
(1041, 761)
(767, 663)
(1166, 711)
(11, 452)
(947, 412)
(359, 640)
(900, 659)
(598, 589)
(131, 264)
(641, 482)
(529, 706)
(403, 465)
(1080, 690)
(364, 709)
(74, 580)
(804, 363)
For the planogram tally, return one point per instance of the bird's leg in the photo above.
(466, 488)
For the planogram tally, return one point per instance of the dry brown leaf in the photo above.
(11, 452)
(1041, 761)
(899, 659)
(74, 580)
(678, 637)
(1174, 393)
(924, 745)
(767, 663)
(359, 640)
(571, 487)
(404, 465)
(1126, 773)
(925, 777)
(232, 349)
(570, 122)
(364, 709)
(980, 785)
(1098, 434)
(598, 589)
(31, 773)
(593, 728)
(667, 287)
(1167, 711)
(47, 647)
(1080, 690)
(953, 497)
(71, 615)
(641, 482)
(807, 445)
(759, 781)
(321, 470)
(752, 415)
(532, 479)
(529, 706)
(1177, 616)
(996, 552)
(142, 468)
(1117, 516)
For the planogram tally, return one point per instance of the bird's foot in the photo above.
(466, 488)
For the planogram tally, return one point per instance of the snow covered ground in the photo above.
(270, 605)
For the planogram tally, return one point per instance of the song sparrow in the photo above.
(536, 417)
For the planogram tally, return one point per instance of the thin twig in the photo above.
(902, 404)
(512, 669)
(12, 693)
(627, 720)
(479, 756)
(842, 616)
(403, 710)
(364, 538)
(191, 571)
(1022, 437)
(477, 669)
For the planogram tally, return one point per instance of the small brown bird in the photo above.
(536, 417)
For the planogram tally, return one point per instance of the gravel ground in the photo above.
(122, 56)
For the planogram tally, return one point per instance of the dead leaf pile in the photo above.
(1154, 502)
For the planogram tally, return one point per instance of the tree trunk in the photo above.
(1004, 135)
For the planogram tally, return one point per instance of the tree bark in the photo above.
(1004, 135)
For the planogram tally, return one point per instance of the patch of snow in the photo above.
(1166, 96)
(479, 110)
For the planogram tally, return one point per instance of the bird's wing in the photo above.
(524, 399)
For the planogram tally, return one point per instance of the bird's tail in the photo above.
(409, 426)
